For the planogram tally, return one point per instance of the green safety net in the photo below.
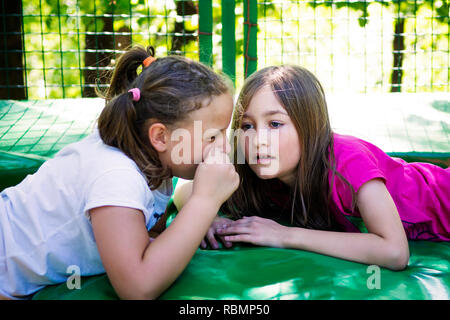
(415, 127)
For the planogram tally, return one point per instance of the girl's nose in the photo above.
(224, 144)
(261, 138)
(227, 146)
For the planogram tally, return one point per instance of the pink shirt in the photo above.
(421, 191)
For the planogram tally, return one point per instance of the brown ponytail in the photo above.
(125, 71)
(170, 88)
(117, 128)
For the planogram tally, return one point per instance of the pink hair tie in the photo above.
(136, 94)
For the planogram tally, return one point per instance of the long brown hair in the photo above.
(303, 98)
(170, 88)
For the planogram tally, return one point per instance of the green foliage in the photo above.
(349, 44)
(321, 35)
(55, 34)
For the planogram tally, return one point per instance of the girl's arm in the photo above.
(159, 227)
(136, 269)
(385, 245)
(181, 196)
(139, 268)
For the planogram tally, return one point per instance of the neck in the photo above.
(288, 180)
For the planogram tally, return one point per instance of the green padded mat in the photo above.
(250, 272)
(33, 131)
(415, 127)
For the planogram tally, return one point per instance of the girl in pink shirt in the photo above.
(300, 181)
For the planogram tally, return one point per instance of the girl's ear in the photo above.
(158, 135)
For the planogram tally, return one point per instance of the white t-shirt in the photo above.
(44, 220)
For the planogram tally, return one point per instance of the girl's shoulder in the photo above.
(346, 148)
(94, 155)
(89, 165)
(347, 143)
(359, 161)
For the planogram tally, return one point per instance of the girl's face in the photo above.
(269, 138)
(194, 137)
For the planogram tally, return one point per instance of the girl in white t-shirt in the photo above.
(89, 209)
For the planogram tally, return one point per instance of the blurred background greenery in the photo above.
(60, 48)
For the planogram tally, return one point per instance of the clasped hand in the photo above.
(255, 230)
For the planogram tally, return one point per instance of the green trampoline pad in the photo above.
(33, 131)
(415, 127)
(250, 272)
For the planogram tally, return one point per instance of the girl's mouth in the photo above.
(263, 159)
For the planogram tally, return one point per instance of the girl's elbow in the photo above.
(142, 296)
(138, 288)
(398, 258)
(138, 293)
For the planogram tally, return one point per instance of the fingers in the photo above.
(227, 244)
(229, 231)
(234, 229)
(247, 222)
(239, 238)
(222, 224)
(212, 240)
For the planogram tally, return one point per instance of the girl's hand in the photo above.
(255, 230)
(218, 223)
(215, 178)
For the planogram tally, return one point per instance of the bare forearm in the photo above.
(367, 248)
(169, 254)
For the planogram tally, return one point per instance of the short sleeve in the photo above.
(359, 167)
(119, 187)
(357, 163)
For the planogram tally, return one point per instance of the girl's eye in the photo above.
(246, 126)
(212, 139)
(275, 124)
